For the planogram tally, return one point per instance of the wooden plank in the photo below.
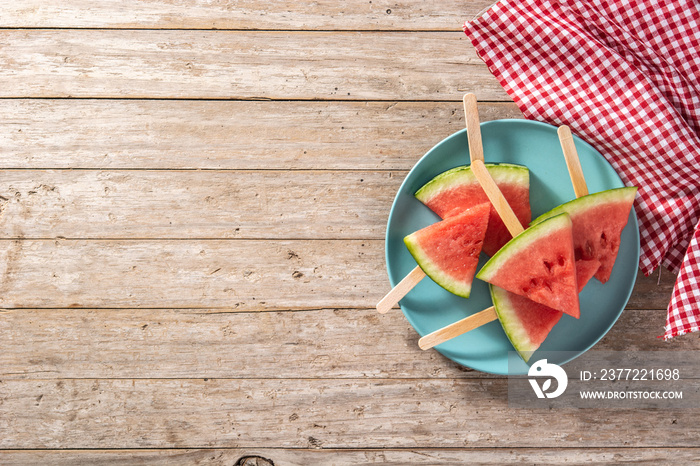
(242, 65)
(656, 289)
(325, 343)
(227, 134)
(401, 457)
(231, 275)
(234, 275)
(209, 344)
(270, 204)
(331, 413)
(202, 14)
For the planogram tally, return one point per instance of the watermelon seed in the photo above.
(548, 266)
(561, 261)
(603, 240)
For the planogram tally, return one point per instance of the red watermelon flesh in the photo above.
(448, 251)
(598, 220)
(525, 322)
(539, 264)
(585, 269)
(528, 323)
(455, 190)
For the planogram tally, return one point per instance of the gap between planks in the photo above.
(255, 99)
(242, 30)
(409, 15)
(352, 455)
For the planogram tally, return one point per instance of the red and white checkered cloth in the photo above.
(625, 76)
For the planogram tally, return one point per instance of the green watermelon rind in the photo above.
(501, 173)
(517, 336)
(583, 203)
(434, 271)
(521, 242)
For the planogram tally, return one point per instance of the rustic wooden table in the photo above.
(193, 200)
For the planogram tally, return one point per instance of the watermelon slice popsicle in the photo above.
(448, 251)
(475, 152)
(598, 218)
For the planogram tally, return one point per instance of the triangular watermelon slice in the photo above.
(539, 264)
(448, 251)
(528, 323)
(455, 190)
(525, 322)
(598, 220)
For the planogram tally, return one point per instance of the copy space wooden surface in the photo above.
(193, 201)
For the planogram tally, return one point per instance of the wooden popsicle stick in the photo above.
(400, 290)
(496, 197)
(573, 164)
(458, 328)
(476, 153)
(471, 115)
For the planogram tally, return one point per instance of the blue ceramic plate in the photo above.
(428, 307)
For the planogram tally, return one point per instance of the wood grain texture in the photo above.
(206, 343)
(268, 204)
(400, 457)
(243, 275)
(164, 134)
(302, 413)
(242, 65)
(248, 14)
(230, 275)
(247, 135)
(652, 292)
